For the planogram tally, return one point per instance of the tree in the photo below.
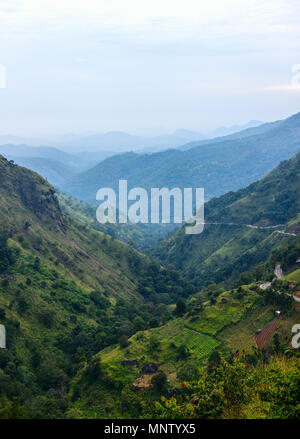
(180, 306)
(213, 361)
(276, 342)
(130, 401)
(93, 371)
(46, 317)
(37, 264)
(189, 372)
(279, 385)
(159, 380)
(138, 324)
(73, 413)
(6, 255)
(182, 353)
(236, 388)
(27, 224)
(123, 341)
(13, 410)
(154, 343)
(99, 299)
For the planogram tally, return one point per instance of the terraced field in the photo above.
(228, 309)
(170, 337)
(198, 344)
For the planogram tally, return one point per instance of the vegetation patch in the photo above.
(229, 308)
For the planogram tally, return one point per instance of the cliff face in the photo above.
(25, 194)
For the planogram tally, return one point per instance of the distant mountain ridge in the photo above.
(119, 141)
(219, 166)
(50, 162)
(240, 134)
(114, 141)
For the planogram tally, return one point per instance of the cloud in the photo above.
(283, 87)
(134, 13)
(140, 62)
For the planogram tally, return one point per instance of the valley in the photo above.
(113, 321)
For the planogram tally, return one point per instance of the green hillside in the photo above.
(242, 229)
(141, 236)
(66, 291)
(180, 350)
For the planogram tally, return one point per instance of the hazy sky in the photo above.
(146, 66)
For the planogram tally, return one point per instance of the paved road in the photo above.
(251, 226)
(286, 233)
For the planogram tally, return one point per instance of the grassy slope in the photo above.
(294, 275)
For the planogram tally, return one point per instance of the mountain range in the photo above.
(220, 165)
(119, 141)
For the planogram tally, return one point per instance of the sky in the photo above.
(146, 67)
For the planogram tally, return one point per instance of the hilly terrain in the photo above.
(53, 164)
(96, 329)
(211, 358)
(66, 291)
(241, 229)
(141, 236)
(219, 167)
(204, 363)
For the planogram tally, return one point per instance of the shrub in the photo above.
(189, 372)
